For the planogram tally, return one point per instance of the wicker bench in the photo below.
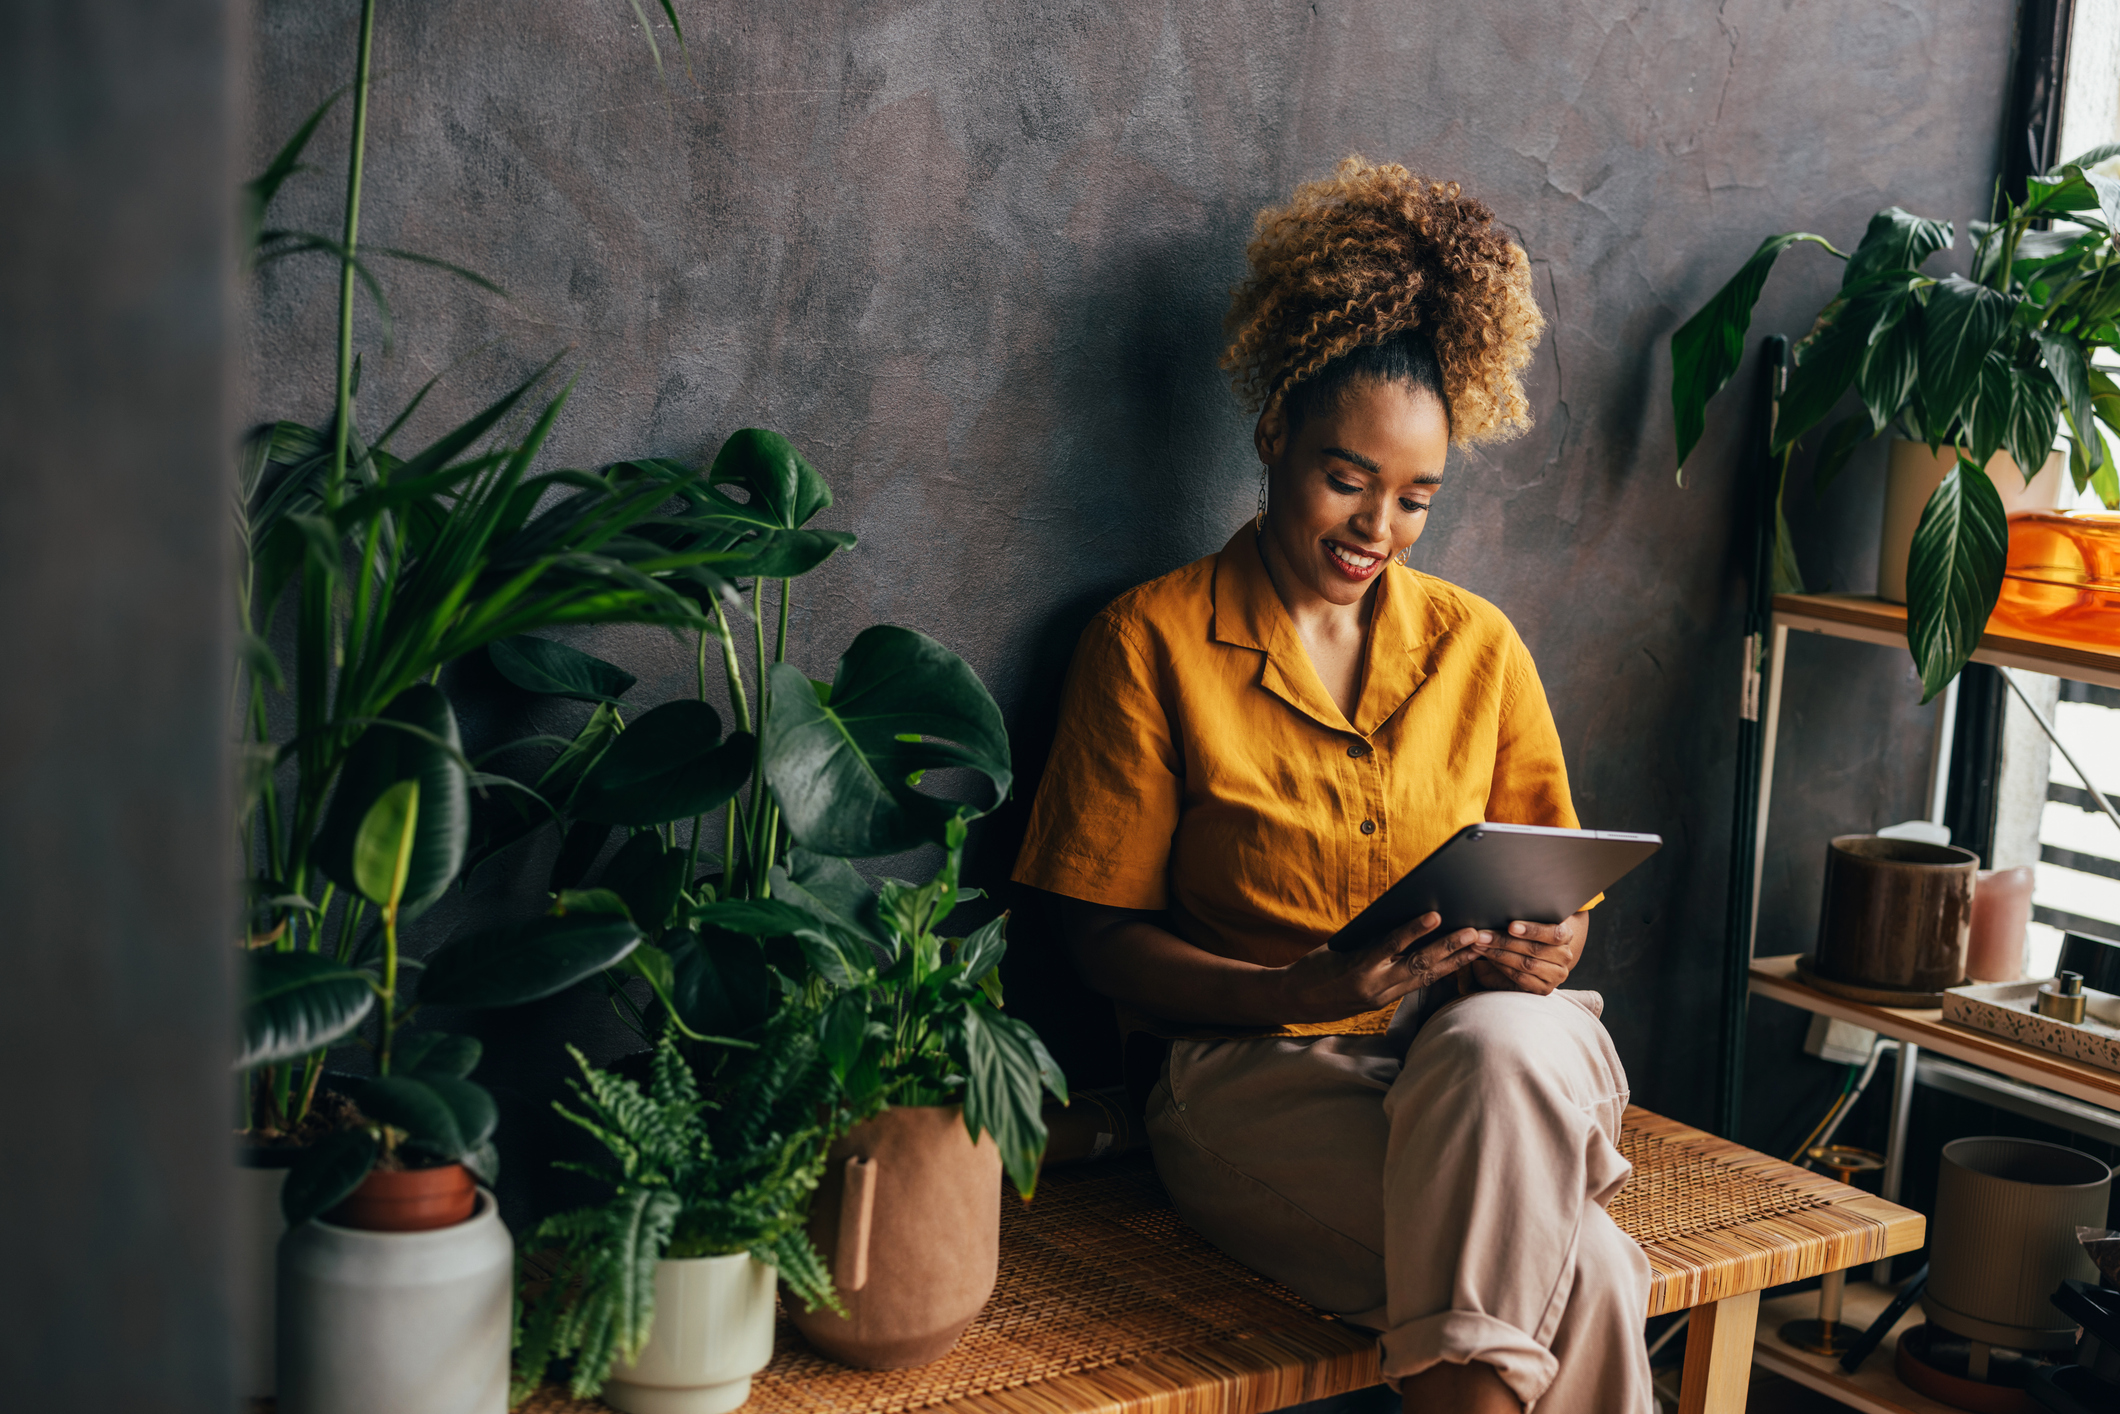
(1107, 1304)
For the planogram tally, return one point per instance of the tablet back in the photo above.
(1489, 876)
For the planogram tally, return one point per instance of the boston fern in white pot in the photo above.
(2000, 362)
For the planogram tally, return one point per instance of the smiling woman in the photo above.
(1255, 746)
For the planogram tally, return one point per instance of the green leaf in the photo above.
(1826, 361)
(1708, 347)
(326, 1174)
(982, 950)
(384, 755)
(648, 878)
(1895, 240)
(2064, 358)
(298, 1002)
(1006, 1074)
(556, 670)
(525, 962)
(2035, 419)
(719, 982)
(785, 490)
(584, 841)
(259, 191)
(1886, 378)
(902, 704)
(833, 894)
(419, 1108)
(382, 850)
(1954, 573)
(442, 1052)
(666, 766)
(1840, 443)
(1962, 323)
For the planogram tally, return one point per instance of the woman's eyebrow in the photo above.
(1356, 457)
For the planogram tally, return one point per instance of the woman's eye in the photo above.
(1345, 488)
(1411, 506)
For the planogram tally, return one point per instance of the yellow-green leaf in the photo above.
(382, 851)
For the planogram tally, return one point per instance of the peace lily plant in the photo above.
(1999, 361)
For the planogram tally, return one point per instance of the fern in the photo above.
(689, 1178)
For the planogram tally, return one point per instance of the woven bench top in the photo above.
(1107, 1302)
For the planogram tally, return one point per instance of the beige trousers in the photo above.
(1453, 1199)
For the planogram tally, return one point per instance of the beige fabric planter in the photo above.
(909, 1216)
(1914, 472)
(713, 1331)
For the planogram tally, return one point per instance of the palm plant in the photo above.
(2000, 361)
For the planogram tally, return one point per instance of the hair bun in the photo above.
(1373, 251)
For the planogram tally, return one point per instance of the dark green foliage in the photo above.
(689, 1177)
(296, 1002)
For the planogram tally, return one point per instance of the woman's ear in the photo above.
(1270, 437)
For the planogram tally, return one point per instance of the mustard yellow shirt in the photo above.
(1201, 768)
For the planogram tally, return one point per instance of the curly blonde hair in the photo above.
(1372, 253)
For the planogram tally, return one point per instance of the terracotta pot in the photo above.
(1897, 913)
(909, 1217)
(1914, 472)
(408, 1200)
(713, 1331)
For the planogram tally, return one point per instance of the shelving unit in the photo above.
(2028, 1078)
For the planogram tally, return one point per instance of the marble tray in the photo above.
(2006, 1009)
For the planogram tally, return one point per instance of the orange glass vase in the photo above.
(2063, 576)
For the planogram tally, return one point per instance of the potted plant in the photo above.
(912, 1028)
(1961, 369)
(662, 1295)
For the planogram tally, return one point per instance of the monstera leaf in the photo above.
(416, 739)
(846, 771)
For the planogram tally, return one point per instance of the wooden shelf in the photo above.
(1869, 619)
(1873, 1388)
(1775, 977)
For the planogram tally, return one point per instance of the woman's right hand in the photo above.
(1324, 985)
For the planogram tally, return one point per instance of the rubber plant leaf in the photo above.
(1962, 323)
(328, 1171)
(418, 1109)
(1708, 347)
(525, 962)
(442, 1052)
(298, 1002)
(556, 670)
(901, 705)
(671, 764)
(1895, 240)
(382, 850)
(1954, 572)
(384, 755)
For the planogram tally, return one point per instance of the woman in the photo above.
(1422, 1136)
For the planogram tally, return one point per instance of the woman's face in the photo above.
(1350, 488)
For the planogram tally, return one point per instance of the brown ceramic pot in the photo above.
(1897, 913)
(408, 1200)
(909, 1217)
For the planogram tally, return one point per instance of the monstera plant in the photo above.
(1999, 361)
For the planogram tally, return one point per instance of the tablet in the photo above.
(1489, 876)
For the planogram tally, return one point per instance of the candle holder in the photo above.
(1827, 1335)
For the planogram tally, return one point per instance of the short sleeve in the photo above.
(1106, 810)
(1530, 775)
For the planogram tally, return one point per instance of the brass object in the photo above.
(1828, 1335)
(2062, 999)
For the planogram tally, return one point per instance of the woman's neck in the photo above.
(1334, 635)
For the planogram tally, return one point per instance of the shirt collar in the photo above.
(1407, 635)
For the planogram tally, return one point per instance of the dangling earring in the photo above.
(1259, 524)
(1405, 558)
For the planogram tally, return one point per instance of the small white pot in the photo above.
(713, 1331)
(254, 1249)
(1914, 472)
(403, 1322)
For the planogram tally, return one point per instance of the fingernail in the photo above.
(1517, 928)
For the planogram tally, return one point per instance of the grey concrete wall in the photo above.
(973, 259)
(115, 1012)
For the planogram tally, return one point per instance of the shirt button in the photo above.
(1369, 827)
(1358, 750)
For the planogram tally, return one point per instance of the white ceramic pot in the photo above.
(254, 1249)
(713, 1331)
(404, 1322)
(1913, 472)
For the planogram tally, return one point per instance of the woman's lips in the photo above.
(1355, 564)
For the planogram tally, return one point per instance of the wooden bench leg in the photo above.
(1719, 1355)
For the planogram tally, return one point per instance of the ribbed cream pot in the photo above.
(713, 1330)
(2007, 1211)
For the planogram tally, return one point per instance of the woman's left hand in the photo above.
(1533, 957)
